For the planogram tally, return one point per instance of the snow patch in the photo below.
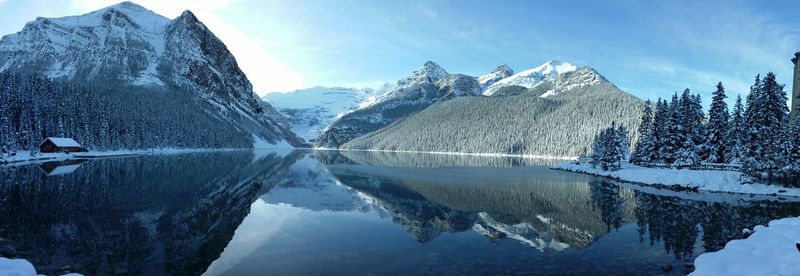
(715, 181)
(259, 143)
(769, 251)
(14, 267)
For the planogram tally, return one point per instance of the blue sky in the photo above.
(647, 48)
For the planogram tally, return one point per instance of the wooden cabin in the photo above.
(60, 144)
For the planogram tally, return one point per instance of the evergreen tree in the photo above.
(792, 148)
(777, 117)
(659, 131)
(751, 167)
(717, 127)
(675, 137)
(642, 152)
(735, 134)
(610, 148)
(623, 142)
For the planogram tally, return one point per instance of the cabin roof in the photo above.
(61, 142)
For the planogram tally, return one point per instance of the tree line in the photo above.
(756, 137)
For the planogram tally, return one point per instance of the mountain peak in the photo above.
(531, 78)
(127, 5)
(553, 68)
(500, 72)
(429, 72)
(503, 68)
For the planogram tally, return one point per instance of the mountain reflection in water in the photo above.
(346, 213)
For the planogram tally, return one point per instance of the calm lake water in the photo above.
(356, 213)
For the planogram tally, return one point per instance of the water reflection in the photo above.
(328, 212)
(146, 215)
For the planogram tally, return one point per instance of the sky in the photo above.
(648, 48)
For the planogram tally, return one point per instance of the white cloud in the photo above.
(265, 72)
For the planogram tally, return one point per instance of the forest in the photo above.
(757, 137)
(108, 117)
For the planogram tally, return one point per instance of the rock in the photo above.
(8, 251)
(666, 267)
(689, 267)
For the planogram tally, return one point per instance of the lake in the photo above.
(357, 213)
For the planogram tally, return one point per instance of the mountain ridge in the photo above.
(128, 45)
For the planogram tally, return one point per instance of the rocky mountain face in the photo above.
(532, 77)
(499, 73)
(558, 116)
(427, 85)
(128, 45)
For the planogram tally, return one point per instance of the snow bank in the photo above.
(715, 181)
(16, 267)
(21, 267)
(769, 251)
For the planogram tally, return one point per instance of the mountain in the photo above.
(311, 110)
(427, 85)
(557, 116)
(125, 48)
(532, 77)
(499, 73)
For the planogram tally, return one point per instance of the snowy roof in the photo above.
(62, 142)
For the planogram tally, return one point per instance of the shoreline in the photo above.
(487, 154)
(24, 158)
(683, 179)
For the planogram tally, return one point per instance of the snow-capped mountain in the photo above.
(425, 86)
(532, 77)
(311, 110)
(499, 73)
(581, 77)
(128, 45)
(559, 116)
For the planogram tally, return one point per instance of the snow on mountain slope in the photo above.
(581, 77)
(311, 110)
(129, 45)
(532, 77)
(427, 85)
(499, 73)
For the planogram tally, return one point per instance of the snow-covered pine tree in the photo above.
(688, 155)
(774, 122)
(623, 142)
(735, 133)
(610, 148)
(676, 133)
(717, 127)
(642, 152)
(659, 131)
(598, 148)
(792, 167)
(751, 163)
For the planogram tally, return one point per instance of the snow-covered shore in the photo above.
(768, 251)
(26, 157)
(715, 181)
